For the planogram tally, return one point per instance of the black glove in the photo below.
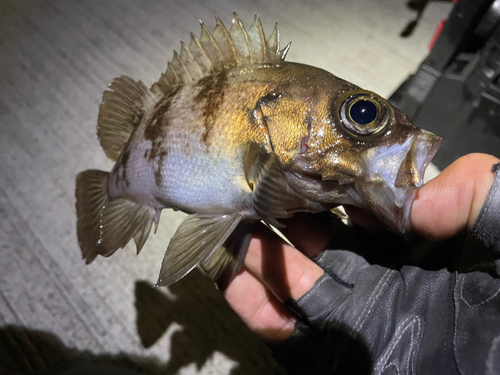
(362, 318)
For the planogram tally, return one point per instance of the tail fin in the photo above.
(104, 225)
(123, 105)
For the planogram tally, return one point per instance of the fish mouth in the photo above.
(391, 176)
(396, 173)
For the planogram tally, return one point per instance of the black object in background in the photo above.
(455, 93)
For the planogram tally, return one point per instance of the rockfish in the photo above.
(232, 134)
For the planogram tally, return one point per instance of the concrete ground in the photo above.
(56, 58)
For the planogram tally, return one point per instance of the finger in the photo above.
(281, 267)
(261, 311)
(451, 202)
(310, 233)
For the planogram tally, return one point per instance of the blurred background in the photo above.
(58, 315)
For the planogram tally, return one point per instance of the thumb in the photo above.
(451, 202)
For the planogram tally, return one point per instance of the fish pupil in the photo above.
(363, 112)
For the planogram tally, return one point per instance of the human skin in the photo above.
(275, 271)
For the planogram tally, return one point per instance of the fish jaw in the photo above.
(395, 175)
(384, 182)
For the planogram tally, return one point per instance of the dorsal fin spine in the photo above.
(194, 46)
(172, 74)
(232, 60)
(284, 51)
(272, 44)
(239, 28)
(181, 69)
(216, 47)
(190, 62)
(209, 45)
(221, 49)
(260, 40)
(238, 36)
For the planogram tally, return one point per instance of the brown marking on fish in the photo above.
(257, 118)
(153, 129)
(212, 90)
(158, 171)
(155, 133)
(124, 160)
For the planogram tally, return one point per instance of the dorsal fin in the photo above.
(219, 50)
(121, 111)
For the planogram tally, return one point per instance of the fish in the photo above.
(232, 134)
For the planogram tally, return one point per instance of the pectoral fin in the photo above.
(223, 264)
(197, 238)
(272, 196)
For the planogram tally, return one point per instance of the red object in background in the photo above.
(437, 33)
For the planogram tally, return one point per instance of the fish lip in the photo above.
(388, 196)
(427, 144)
(424, 148)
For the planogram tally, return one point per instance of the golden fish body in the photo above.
(231, 134)
(188, 152)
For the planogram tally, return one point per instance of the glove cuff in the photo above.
(487, 227)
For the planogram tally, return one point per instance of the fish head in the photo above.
(362, 151)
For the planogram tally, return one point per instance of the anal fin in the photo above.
(123, 220)
(198, 237)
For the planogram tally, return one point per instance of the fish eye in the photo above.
(363, 114)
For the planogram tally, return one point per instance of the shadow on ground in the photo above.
(205, 317)
(208, 325)
(24, 351)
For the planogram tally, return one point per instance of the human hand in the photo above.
(275, 272)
